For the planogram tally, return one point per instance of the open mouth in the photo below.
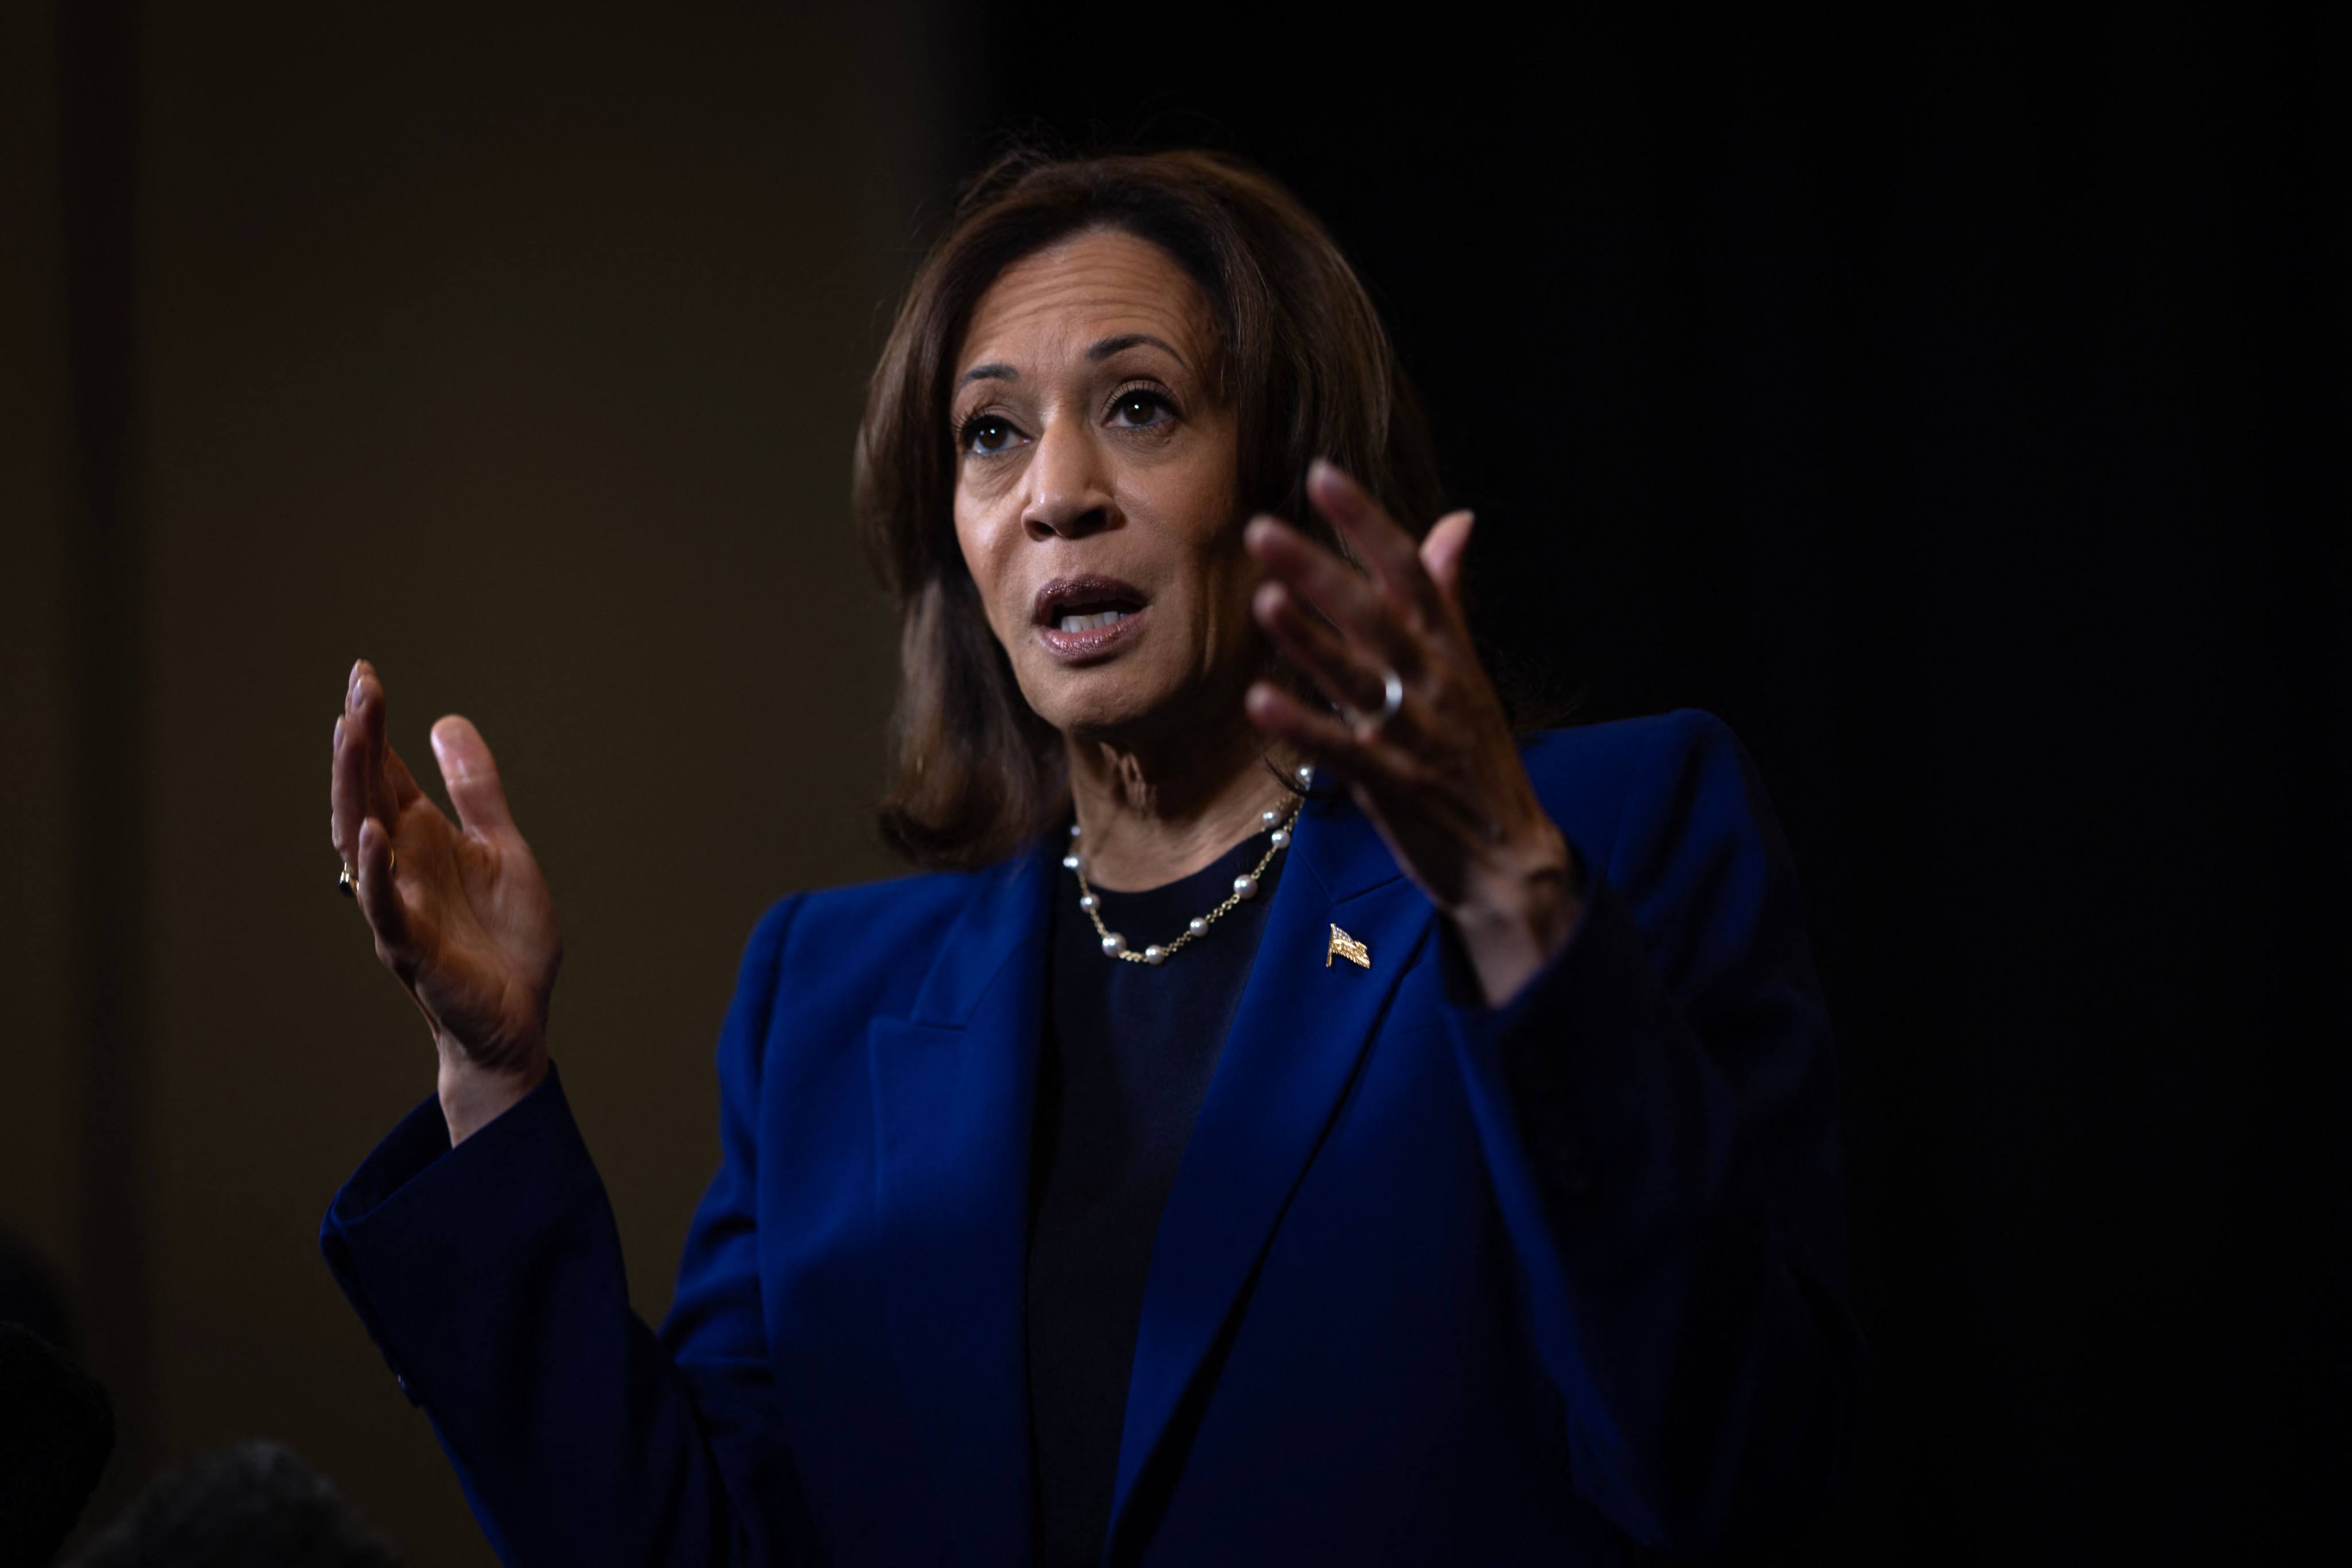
(1085, 614)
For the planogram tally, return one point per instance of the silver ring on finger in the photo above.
(1392, 700)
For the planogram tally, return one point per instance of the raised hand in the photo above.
(460, 912)
(1438, 769)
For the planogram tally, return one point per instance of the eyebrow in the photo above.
(1125, 340)
(996, 370)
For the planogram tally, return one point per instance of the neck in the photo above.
(1151, 814)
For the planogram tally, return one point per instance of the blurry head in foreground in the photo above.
(56, 1428)
(249, 1505)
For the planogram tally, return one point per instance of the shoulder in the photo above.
(1620, 746)
(829, 927)
(910, 903)
(846, 940)
(1611, 786)
(1674, 817)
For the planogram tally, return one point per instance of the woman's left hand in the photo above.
(1441, 775)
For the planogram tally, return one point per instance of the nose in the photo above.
(1067, 495)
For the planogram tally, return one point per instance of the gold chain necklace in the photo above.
(1114, 945)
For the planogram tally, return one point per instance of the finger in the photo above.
(398, 782)
(1322, 739)
(471, 776)
(1369, 760)
(1442, 553)
(363, 733)
(1316, 648)
(390, 786)
(380, 892)
(343, 827)
(1339, 593)
(1396, 787)
(347, 789)
(1386, 550)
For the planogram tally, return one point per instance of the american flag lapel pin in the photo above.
(1347, 947)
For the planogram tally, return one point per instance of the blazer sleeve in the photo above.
(489, 1275)
(1659, 1117)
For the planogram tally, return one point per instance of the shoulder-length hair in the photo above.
(1303, 361)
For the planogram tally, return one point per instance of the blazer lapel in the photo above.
(1287, 1061)
(953, 1091)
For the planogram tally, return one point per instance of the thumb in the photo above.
(1442, 551)
(471, 776)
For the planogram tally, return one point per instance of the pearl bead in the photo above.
(1155, 953)
(1113, 944)
(1281, 838)
(1088, 902)
(1072, 862)
(1306, 772)
(1245, 886)
(1270, 817)
(1074, 830)
(1197, 926)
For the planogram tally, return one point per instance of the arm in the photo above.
(490, 1276)
(1645, 1044)
(1660, 1122)
(477, 1242)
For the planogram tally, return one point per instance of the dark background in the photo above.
(1959, 407)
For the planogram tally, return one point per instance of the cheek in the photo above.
(983, 555)
(1233, 577)
(1224, 570)
(1200, 502)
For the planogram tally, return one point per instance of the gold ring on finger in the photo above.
(348, 884)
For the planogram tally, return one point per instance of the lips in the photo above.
(1081, 617)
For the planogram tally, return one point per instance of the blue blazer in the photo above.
(1436, 1282)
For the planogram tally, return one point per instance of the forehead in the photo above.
(1077, 292)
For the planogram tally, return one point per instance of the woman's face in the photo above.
(1095, 492)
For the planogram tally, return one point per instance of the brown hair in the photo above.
(1305, 365)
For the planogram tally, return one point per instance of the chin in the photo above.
(1098, 703)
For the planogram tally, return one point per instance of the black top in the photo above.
(1129, 1052)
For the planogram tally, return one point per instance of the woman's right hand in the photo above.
(460, 912)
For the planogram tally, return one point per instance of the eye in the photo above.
(986, 435)
(1140, 408)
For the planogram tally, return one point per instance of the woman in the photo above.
(1288, 1118)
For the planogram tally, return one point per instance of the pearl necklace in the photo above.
(1114, 945)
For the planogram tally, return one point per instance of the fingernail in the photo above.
(339, 732)
(352, 679)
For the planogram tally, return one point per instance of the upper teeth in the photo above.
(1088, 623)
